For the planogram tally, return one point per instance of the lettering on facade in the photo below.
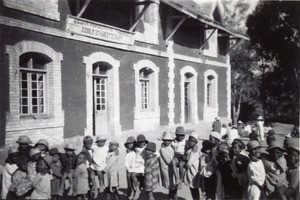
(99, 31)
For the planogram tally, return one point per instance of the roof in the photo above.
(201, 12)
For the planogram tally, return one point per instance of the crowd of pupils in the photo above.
(219, 170)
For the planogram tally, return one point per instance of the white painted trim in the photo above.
(152, 115)
(209, 113)
(194, 94)
(228, 81)
(114, 103)
(7, 21)
(171, 84)
(55, 114)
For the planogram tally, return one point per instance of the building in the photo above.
(89, 67)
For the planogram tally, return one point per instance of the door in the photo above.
(100, 105)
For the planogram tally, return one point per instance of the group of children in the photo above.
(218, 171)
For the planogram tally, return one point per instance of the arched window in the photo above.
(33, 83)
(211, 106)
(210, 91)
(146, 112)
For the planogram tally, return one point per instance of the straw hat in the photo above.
(253, 144)
(53, 151)
(167, 135)
(151, 146)
(141, 138)
(24, 139)
(43, 142)
(180, 130)
(114, 141)
(101, 137)
(34, 151)
(275, 144)
(129, 140)
(194, 135)
(217, 118)
(70, 146)
(293, 143)
(260, 118)
(216, 135)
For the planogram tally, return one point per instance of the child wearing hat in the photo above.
(9, 168)
(293, 150)
(179, 159)
(35, 155)
(56, 168)
(191, 175)
(138, 168)
(276, 167)
(256, 171)
(111, 175)
(24, 146)
(21, 184)
(151, 170)
(129, 160)
(166, 156)
(43, 145)
(239, 165)
(68, 160)
(99, 159)
(81, 177)
(42, 182)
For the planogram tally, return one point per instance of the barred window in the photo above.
(33, 80)
(211, 96)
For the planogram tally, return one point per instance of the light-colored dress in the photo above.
(9, 169)
(81, 179)
(257, 175)
(129, 160)
(111, 176)
(42, 186)
(139, 162)
(192, 175)
(99, 157)
(166, 156)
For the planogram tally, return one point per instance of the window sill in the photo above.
(35, 116)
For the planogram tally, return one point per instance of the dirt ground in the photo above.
(160, 193)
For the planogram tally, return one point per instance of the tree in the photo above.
(274, 29)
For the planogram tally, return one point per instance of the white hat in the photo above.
(167, 135)
(194, 135)
(101, 137)
(217, 118)
(240, 122)
(260, 118)
(216, 135)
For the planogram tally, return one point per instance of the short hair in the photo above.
(87, 138)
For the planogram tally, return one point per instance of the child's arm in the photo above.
(112, 161)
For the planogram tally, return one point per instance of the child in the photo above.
(21, 184)
(192, 177)
(256, 170)
(129, 159)
(87, 149)
(137, 174)
(239, 166)
(276, 167)
(167, 154)
(42, 182)
(56, 168)
(206, 169)
(179, 159)
(43, 145)
(24, 146)
(99, 159)
(68, 160)
(35, 154)
(9, 169)
(111, 170)
(151, 170)
(81, 177)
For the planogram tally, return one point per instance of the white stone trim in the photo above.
(194, 94)
(146, 119)
(54, 117)
(114, 93)
(228, 81)
(7, 21)
(209, 113)
(171, 84)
